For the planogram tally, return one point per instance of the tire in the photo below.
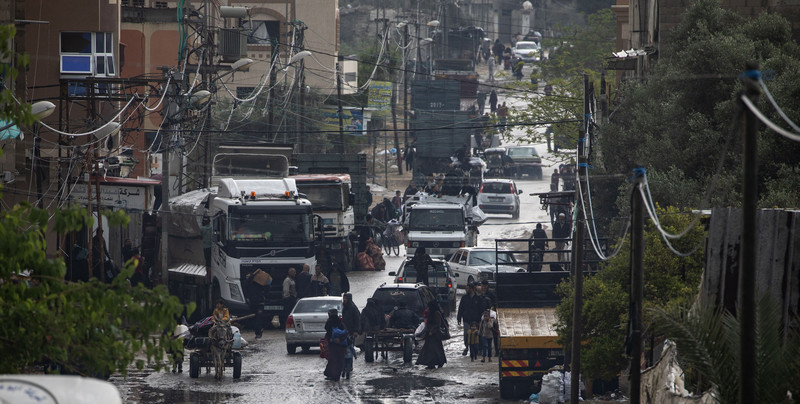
(194, 366)
(237, 365)
(515, 215)
(408, 349)
(387, 249)
(369, 350)
(291, 349)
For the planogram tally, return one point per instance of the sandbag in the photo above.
(551, 387)
(378, 262)
(365, 262)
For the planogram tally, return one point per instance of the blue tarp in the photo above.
(12, 132)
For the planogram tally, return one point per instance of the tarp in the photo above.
(11, 132)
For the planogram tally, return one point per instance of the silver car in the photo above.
(499, 196)
(476, 264)
(305, 326)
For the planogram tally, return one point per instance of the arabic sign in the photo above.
(380, 98)
(115, 196)
(352, 119)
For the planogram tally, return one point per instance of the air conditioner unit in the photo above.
(232, 44)
(7, 177)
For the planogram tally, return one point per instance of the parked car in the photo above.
(499, 196)
(475, 264)
(528, 51)
(526, 161)
(416, 297)
(305, 326)
(441, 280)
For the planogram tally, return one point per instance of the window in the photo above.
(262, 32)
(87, 53)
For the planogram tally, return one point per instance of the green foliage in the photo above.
(680, 122)
(89, 328)
(668, 280)
(571, 56)
(708, 348)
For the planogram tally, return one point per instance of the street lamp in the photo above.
(40, 110)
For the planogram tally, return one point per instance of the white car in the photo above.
(528, 51)
(476, 264)
(305, 326)
(499, 196)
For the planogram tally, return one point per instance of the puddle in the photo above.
(176, 396)
(400, 385)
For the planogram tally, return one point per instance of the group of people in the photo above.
(477, 312)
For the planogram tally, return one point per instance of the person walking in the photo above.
(409, 157)
(372, 318)
(351, 318)
(397, 200)
(561, 231)
(258, 283)
(336, 350)
(289, 292)
(486, 331)
(538, 245)
(303, 282)
(421, 261)
(482, 100)
(491, 70)
(469, 309)
(338, 282)
(493, 101)
(498, 49)
(319, 282)
(473, 341)
(432, 354)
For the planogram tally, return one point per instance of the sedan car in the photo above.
(528, 51)
(305, 326)
(499, 196)
(476, 264)
(441, 280)
(526, 161)
(415, 297)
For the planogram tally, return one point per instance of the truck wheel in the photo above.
(194, 366)
(369, 350)
(408, 349)
(291, 348)
(237, 365)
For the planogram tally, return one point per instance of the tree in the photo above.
(90, 328)
(668, 281)
(680, 122)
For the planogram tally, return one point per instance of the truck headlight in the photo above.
(236, 294)
(415, 244)
(457, 244)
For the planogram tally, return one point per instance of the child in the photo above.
(221, 312)
(486, 331)
(473, 340)
(349, 355)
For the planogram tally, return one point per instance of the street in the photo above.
(269, 374)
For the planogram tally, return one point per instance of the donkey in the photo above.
(221, 342)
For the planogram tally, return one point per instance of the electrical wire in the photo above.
(777, 129)
(776, 106)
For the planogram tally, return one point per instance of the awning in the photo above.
(12, 132)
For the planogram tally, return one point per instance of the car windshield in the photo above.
(409, 271)
(435, 218)
(496, 188)
(522, 152)
(527, 46)
(488, 257)
(317, 306)
(389, 298)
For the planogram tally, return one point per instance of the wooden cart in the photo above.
(390, 339)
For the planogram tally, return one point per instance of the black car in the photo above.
(415, 296)
(441, 281)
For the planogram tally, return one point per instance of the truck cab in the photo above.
(332, 199)
(441, 227)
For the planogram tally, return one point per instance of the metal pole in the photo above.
(385, 158)
(747, 269)
(341, 118)
(405, 89)
(637, 282)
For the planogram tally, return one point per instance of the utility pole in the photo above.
(405, 87)
(747, 268)
(272, 74)
(339, 97)
(577, 251)
(637, 282)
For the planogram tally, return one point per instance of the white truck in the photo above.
(258, 223)
(332, 199)
(440, 224)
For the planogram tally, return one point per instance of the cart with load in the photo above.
(389, 340)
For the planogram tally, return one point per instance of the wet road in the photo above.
(270, 375)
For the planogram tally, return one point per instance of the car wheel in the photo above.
(515, 215)
(369, 350)
(291, 348)
(237, 365)
(194, 366)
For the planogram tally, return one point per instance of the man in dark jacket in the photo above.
(421, 261)
(538, 245)
(303, 282)
(561, 231)
(403, 318)
(372, 318)
(470, 309)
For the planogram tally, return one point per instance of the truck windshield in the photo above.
(488, 258)
(435, 219)
(522, 152)
(274, 227)
(323, 197)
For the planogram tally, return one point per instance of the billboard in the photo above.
(352, 119)
(380, 98)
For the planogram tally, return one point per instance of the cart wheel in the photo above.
(408, 349)
(194, 366)
(369, 350)
(237, 365)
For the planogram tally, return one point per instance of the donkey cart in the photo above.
(215, 350)
(390, 339)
